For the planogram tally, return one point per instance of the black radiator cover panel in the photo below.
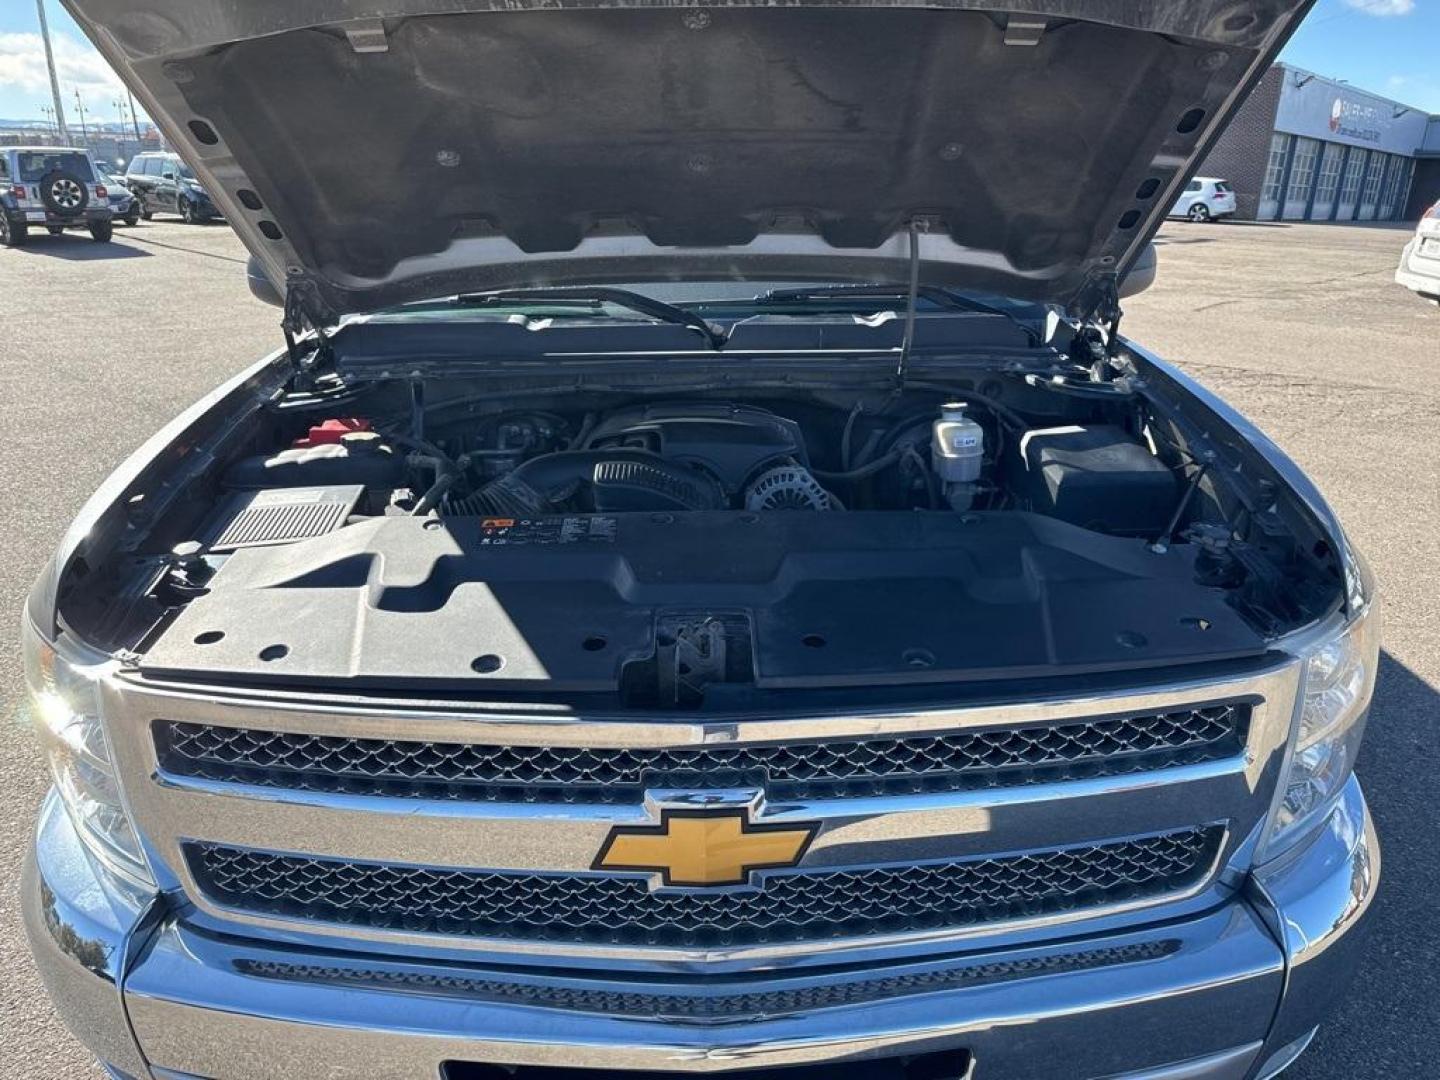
(560, 604)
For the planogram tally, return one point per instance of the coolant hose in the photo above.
(443, 483)
(878, 465)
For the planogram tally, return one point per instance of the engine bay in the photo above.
(706, 549)
(693, 456)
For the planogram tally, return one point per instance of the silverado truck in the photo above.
(703, 585)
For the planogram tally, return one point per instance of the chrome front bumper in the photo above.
(1226, 994)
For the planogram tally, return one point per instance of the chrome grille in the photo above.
(622, 909)
(818, 769)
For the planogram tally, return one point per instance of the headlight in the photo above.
(64, 702)
(1336, 682)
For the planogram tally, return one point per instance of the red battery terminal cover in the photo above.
(332, 430)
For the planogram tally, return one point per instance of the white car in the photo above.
(1420, 261)
(1205, 199)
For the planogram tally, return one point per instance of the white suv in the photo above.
(1205, 199)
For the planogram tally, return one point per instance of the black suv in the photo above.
(163, 183)
(57, 187)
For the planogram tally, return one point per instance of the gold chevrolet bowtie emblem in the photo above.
(704, 847)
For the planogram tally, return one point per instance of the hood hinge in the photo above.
(303, 307)
(1098, 305)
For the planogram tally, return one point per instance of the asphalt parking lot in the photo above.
(1300, 326)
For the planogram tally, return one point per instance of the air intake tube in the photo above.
(612, 480)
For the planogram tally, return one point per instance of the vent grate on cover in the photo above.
(281, 516)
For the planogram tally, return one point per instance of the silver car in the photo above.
(1205, 199)
(1419, 268)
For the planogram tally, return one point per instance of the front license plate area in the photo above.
(945, 1065)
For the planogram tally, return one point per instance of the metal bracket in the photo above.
(367, 36)
(1098, 304)
(696, 651)
(1023, 30)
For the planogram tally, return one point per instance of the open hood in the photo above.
(371, 152)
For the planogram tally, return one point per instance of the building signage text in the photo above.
(1352, 120)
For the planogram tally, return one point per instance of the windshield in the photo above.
(35, 164)
(184, 171)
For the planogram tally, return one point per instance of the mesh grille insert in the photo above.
(619, 909)
(817, 769)
(721, 1006)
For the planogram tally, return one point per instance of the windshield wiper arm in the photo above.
(932, 294)
(594, 295)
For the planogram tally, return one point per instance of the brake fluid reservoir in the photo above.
(957, 453)
(959, 445)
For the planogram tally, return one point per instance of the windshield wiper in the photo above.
(931, 294)
(594, 296)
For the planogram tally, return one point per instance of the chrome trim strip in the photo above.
(509, 836)
(441, 721)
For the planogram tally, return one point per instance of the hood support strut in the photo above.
(912, 293)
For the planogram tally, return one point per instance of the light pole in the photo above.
(119, 104)
(134, 118)
(80, 109)
(49, 114)
(54, 79)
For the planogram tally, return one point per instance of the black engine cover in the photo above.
(731, 442)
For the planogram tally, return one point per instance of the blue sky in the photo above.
(24, 85)
(1388, 46)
